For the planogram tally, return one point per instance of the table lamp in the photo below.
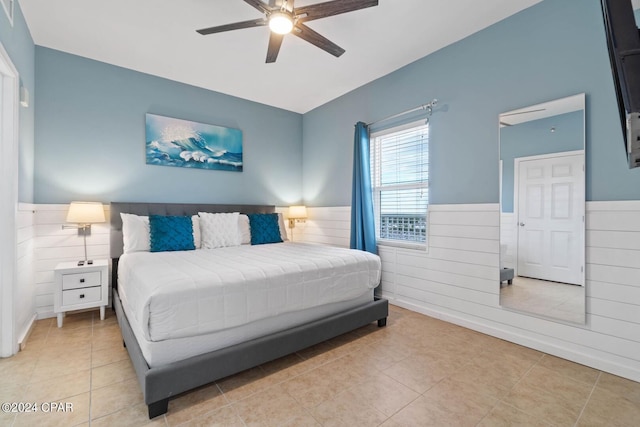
(83, 214)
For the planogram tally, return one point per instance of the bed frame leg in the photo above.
(158, 408)
(382, 322)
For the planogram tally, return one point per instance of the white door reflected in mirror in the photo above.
(542, 209)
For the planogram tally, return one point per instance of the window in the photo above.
(400, 182)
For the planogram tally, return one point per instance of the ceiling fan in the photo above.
(283, 18)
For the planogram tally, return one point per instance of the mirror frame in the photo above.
(545, 110)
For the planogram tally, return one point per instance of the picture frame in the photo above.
(188, 144)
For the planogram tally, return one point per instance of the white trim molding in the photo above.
(9, 80)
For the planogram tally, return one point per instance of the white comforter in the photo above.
(181, 294)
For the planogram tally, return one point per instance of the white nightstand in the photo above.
(79, 287)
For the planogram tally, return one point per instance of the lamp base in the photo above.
(85, 261)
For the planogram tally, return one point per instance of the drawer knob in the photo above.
(81, 295)
(81, 280)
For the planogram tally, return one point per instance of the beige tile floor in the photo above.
(549, 299)
(417, 371)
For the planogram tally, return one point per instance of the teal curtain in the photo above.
(363, 231)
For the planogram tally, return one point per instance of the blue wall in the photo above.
(535, 138)
(554, 49)
(19, 45)
(90, 133)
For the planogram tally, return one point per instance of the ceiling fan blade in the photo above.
(275, 41)
(306, 33)
(259, 5)
(235, 26)
(331, 8)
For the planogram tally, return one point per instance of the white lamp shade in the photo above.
(280, 23)
(85, 212)
(297, 212)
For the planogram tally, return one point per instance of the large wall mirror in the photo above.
(542, 209)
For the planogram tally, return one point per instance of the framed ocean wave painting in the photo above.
(182, 143)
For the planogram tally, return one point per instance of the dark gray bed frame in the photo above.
(161, 383)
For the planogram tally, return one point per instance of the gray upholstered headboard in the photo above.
(168, 209)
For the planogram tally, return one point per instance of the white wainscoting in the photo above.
(457, 280)
(25, 291)
(329, 226)
(54, 245)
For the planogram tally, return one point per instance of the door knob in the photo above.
(522, 224)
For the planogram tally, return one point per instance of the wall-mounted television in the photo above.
(623, 39)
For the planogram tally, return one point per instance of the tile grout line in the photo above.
(91, 370)
(419, 395)
(15, 418)
(283, 380)
(229, 402)
(303, 359)
(502, 400)
(588, 398)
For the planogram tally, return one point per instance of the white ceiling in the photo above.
(158, 37)
(542, 111)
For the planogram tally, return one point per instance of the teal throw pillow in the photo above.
(264, 228)
(171, 233)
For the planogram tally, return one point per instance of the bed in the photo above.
(171, 355)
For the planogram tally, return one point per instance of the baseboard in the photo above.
(626, 371)
(46, 314)
(49, 314)
(22, 341)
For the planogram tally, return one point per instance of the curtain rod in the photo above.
(428, 107)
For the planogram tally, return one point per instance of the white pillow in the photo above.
(197, 239)
(244, 229)
(283, 230)
(219, 230)
(135, 233)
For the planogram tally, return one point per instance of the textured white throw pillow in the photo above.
(135, 233)
(244, 228)
(283, 230)
(219, 230)
(197, 239)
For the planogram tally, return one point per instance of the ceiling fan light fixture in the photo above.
(280, 23)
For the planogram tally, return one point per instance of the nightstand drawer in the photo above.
(81, 280)
(81, 296)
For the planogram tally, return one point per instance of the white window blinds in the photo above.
(400, 181)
